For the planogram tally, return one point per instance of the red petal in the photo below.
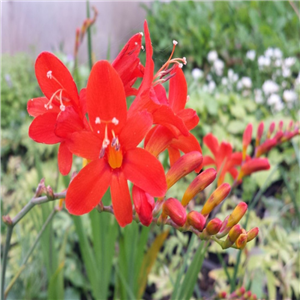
(42, 127)
(88, 187)
(212, 143)
(36, 107)
(178, 90)
(186, 143)
(160, 138)
(82, 99)
(85, 144)
(64, 159)
(224, 153)
(144, 205)
(207, 160)
(189, 117)
(135, 130)
(145, 171)
(48, 62)
(68, 122)
(120, 198)
(174, 155)
(105, 98)
(161, 95)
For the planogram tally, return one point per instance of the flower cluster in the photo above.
(239, 294)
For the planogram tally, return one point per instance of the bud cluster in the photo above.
(240, 294)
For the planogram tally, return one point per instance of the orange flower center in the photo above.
(114, 157)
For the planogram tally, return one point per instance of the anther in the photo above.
(184, 60)
(97, 120)
(175, 42)
(62, 107)
(187, 98)
(115, 121)
(142, 47)
(180, 65)
(114, 141)
(98, 131)
(136, 43)
(117, 147)
(102, 152)
(141, 33)
(49, 74)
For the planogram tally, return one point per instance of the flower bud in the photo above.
(253, 297)
(196, 220)
(7, 220)
(237, 214)
(260, 131)
(41, 188)
(216, 198)
(213, 226)
(241, 241)
(247, 139)
(224, 229)
(253, 165)
(271, 129)
(174, 209)
(241, 291)
(198, 184)
(290, 127)
(232, 236)
(183, 166)
(222, 295)
(49, 192)
(280, 125)
(265, 147)
(252, 234)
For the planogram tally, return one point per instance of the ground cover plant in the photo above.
(138, 198)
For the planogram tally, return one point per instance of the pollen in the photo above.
(115, 121)
(49, 74)
(175, 43)
(97, 120)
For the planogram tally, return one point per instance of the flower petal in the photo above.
(85, 144)
(207, 160)
(189, 117)
(36, 107)
(105, 98)
(58, 78)
(120, 198)
(160, 93)
(42, 127)
(145, 171)
(177, 90)
(135, 129)
(174, 155)
(64, 159)
(88, 187)
(212, 144)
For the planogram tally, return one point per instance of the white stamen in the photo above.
(141, 33)
(46, 106)
(97, 120)
(184, 60)
(142, 47)
(31, 99)
(50, 106)
(62, 107)
(175, 42)
(135, 43)
(49, 74)
(187, 98)
(105, 143)
(98, 131)
(115, 121)
(180, 66)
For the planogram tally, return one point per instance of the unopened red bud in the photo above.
(260, 131)
(241, 291)
(216, 198)
(290, 127)
(252, 234)
(183, 166)
(7, 220)
(280, 125)
(213, 226)
(196, 220)
(198, 184)
(237, 214)
(174, 209)
(247, 136)
(222, 295)
(253, 165)
(271, 129)
(241, 241)
(265, 147)
(234, 233)
(253, 297)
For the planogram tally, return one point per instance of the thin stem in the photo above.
(89, 37)
(4, 261)
(294, 8)
(23, 265)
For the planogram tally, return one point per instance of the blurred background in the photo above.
(243, 66)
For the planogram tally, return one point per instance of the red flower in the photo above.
(224, 160)
(112, 149)
(58, 114)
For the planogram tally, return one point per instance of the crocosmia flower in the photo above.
(111, 147)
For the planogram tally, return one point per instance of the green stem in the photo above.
(250, 207)
(221, 259)
(23, 265)
(89, 36)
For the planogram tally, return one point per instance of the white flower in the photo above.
(239, 85)
(224, 81)
(290, 61)
(279, 106)
(270, 87)
(212, 56)
(284, 84)
(290, 96)
(269, 52)
(277, 53)
(286, 72)
(208, 77)
(251, 54)
(263, 61)
(218, 66)
(230, 73)
(246, 82)
(211, 86)
(273, 99)
(278, 62)
(197, 73)
(258, 96)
